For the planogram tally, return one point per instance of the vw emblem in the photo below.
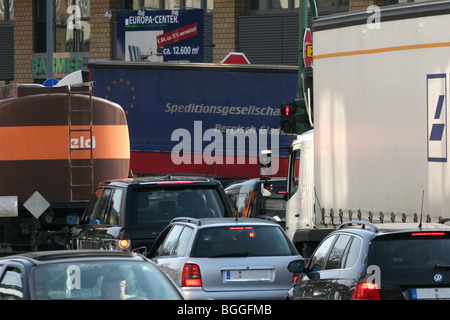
(438, 277)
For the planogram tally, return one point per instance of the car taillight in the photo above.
(123, 244)
(191, 276)
(366, 291)
(175, 182)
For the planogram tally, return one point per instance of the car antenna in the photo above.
(421, 211)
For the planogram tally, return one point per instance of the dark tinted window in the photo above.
(105, 206)
(318, 259)
(93, 203)
(337, 253)
(353, 253)
(294, 172)
(406, 255)
(242, 241)
(162, 205)
(116, 207)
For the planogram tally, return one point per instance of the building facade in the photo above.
(265, 30)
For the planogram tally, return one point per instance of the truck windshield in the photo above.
(250, 202)
(162, 205)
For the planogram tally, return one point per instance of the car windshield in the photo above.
(241, 241)
(162, 205)
(118, 280)
(406, 256)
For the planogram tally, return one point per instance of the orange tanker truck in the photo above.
(56, 145)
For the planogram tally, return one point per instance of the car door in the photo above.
(171, 255)
(316, 282)
(102, 222)
(350, 269)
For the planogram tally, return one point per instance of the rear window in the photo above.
(409, 254)
(162, 205)
(242, 241)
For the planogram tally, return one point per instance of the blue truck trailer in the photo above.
(199, 118)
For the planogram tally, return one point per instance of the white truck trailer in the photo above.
(379, 150)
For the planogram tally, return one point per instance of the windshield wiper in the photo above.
(438, 267)
(225, 255)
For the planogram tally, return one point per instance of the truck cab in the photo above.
(301, 221)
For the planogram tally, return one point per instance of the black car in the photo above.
(128, 214)
(84, 275)
(361, 261)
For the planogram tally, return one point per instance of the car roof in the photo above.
(227, 221)
(390, 228)
(43, 257)
(166, 178)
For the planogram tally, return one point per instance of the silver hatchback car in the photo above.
(226, 258)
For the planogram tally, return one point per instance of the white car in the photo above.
(226, 258)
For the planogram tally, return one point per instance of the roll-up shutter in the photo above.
(269, 39)
(208, 37)
(7, 51)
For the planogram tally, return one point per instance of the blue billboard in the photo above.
(160, 35)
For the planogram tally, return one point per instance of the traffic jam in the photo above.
(335, 195)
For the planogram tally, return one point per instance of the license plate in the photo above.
(431, 293)
(247, 275)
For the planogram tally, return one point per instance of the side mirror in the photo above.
(141, 250)
(265, 165)
(266, 189)
(297, 266)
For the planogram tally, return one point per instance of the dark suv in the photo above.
(127, 214)
(389, 261)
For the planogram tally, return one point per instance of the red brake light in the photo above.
(191, 276)
(425, 234)
(175, 182)
(366, 291)
(241, 228)
(123, 244)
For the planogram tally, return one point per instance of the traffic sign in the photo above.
(307, 48)
(236, 58)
